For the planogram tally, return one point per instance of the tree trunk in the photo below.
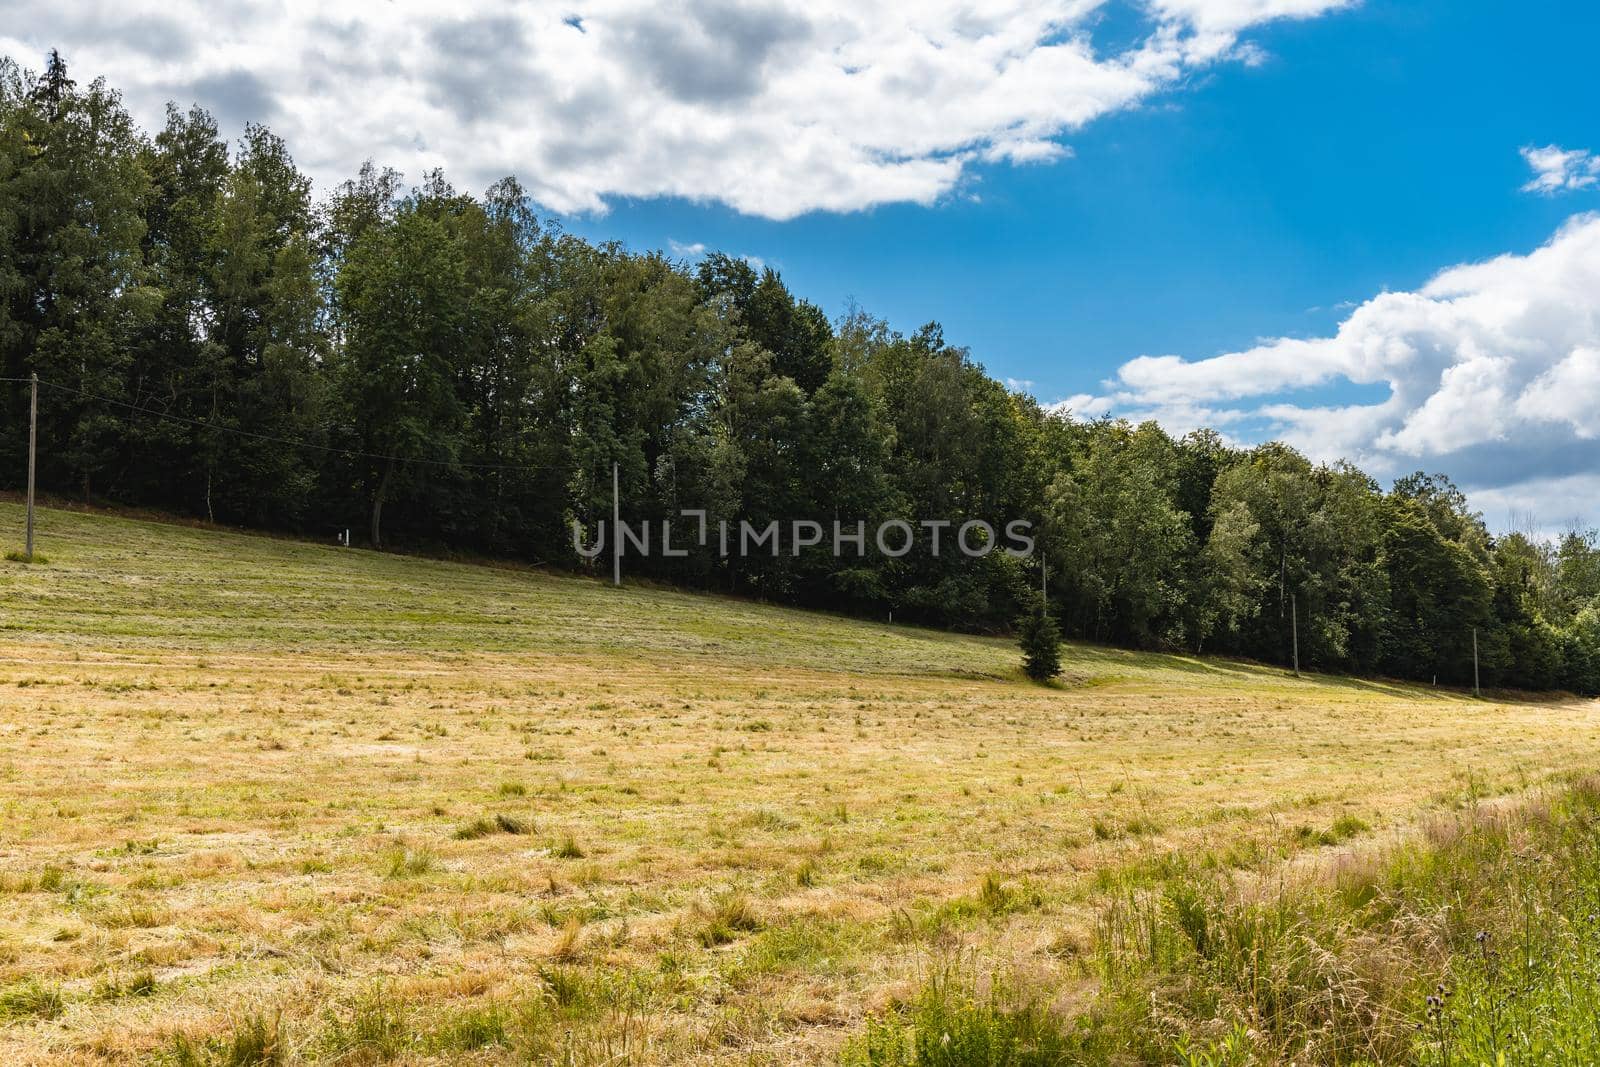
(377, 506)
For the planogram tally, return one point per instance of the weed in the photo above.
(469, 1029)
(952, 1025)
(375, 1027)
(403, 862)
(507, 824)
(31, 999)
(570, 939)
(475, 829)
(256, 1041)
(500, 824)
(142, 984)
(728, 916)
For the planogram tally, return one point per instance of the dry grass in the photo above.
(357, 807)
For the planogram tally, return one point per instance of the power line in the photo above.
(271, 439)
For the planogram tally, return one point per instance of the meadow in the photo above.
(270, 802)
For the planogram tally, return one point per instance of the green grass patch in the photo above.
(1478, 942)
(31, 999)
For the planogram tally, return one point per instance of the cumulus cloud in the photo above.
(775, 107)
(1084, 406)
(1492, 374)
(1557, 170)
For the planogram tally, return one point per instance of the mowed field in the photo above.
(382, 808)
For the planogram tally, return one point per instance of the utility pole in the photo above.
(1294, 624)
(1476, 691)
(33, 451)
(616, 525)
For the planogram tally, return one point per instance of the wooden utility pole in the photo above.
(1294, 625)
(1476, 691)
(33, 453)
(616, 525)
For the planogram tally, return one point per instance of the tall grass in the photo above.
(1475, 942)
(953, 1024)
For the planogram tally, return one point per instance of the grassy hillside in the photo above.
(260, 794)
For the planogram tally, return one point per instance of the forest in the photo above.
(446, 372)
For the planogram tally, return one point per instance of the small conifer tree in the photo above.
(1040, 641)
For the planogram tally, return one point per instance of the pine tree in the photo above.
(1040, 641)
(55, 86)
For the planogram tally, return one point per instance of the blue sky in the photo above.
(1366, 227)
(1371, 148)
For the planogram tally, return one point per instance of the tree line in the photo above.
(439, 370)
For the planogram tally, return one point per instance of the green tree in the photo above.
(175, 367)
(72, 192)
(796, 332)
(762, 460)
(1438, 594)
(404, 294)
(264, 326)
(1226, 585)
(1577, 574)
(1117, 539)
(1040, 640)
(1582, 653)
(1319, 557)
(850, 483)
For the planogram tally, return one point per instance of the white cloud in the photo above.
(687, 251)
(774, 108)
(1231, 16)
(1567, 393)
(1541, 506)
(1492, 372)
(1557, 169)
(1083, 406)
